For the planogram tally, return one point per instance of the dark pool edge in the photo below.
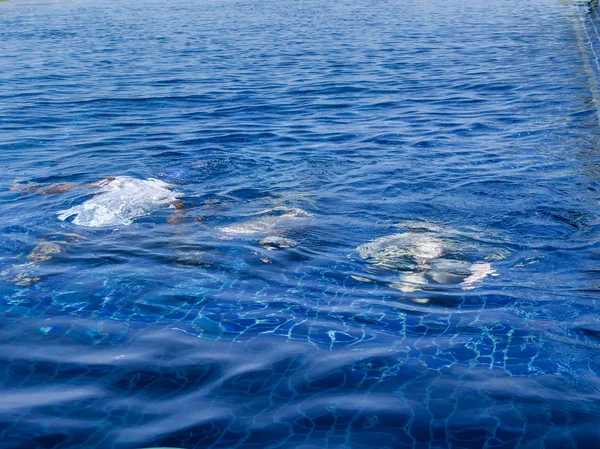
(577, 10)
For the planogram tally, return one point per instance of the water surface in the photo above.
(475, 118)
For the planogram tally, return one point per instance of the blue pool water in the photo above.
(368, 144)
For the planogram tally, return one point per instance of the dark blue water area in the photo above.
(465, 122)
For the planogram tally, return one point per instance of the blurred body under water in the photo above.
(388, 234)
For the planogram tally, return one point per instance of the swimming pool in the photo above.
(390, 235)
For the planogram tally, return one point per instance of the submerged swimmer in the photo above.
(118, 201)
(121, 200)
(423, 254)
(270, 227)
(27, 274)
